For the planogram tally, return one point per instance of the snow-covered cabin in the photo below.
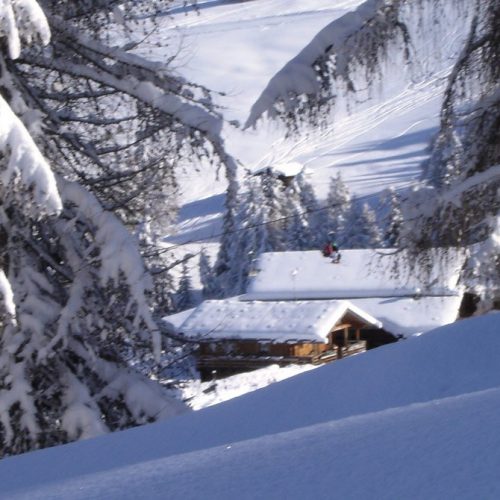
(300, 307)
(369, 279)
(239, 335)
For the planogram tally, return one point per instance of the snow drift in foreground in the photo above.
(416, 419)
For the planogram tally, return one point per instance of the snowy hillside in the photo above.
(139, 143)
(236, 48)
(416, 419)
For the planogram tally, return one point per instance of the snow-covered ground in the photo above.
(415, 419)
(198, 395)
(236, 47)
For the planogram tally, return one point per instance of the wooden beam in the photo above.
(339, 327)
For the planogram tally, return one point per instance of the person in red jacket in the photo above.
(331, 250)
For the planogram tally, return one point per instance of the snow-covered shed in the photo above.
(404, 303)
(239, 335)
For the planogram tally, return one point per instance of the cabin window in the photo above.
(265, 348)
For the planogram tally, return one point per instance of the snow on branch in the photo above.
(147, 92)
(452, 196)
(22, 20)
(7, 295)
(119, 255)
(23, 160)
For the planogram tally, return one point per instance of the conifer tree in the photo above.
(250, 240)
(309, 207)
(207, 276)
(298, 231)
(362, 229)
(338, 208)
(392, 217)
(184, 298)
(275, 212)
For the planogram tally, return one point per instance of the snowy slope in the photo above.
(416, 419)
(236, 47)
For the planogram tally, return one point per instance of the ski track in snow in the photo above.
(214, 20)
(262, 22)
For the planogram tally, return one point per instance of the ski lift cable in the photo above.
(254, 226)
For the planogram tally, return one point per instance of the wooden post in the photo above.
(358, 335)
(346, 337)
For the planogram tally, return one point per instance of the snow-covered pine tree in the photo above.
(229, 242)
(273, 191)
(164, 283)
(117, 123)
(362, 230)
(207, 276)
(184, 298)
(298, 234)
(250, 240)
(391, 217)
(338, 208)
(309, 208)
(74, 289)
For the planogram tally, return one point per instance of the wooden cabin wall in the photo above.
(309, 349)
(245, 348)
(255, 348)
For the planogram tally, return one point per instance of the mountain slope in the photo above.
(236, 48)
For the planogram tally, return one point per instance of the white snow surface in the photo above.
(236, 47)
(360, 274)
(416, 419)
(200, 395)
(278, 321)
(404, 304)
(408, 316)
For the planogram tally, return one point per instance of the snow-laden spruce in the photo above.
(459, 202)
(120, 124)
(271, 215)
(74, 310)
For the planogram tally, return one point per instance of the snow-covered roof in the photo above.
(274, 321)
(411, 315)
(360, 274)
(403, 304)
(173, 322)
